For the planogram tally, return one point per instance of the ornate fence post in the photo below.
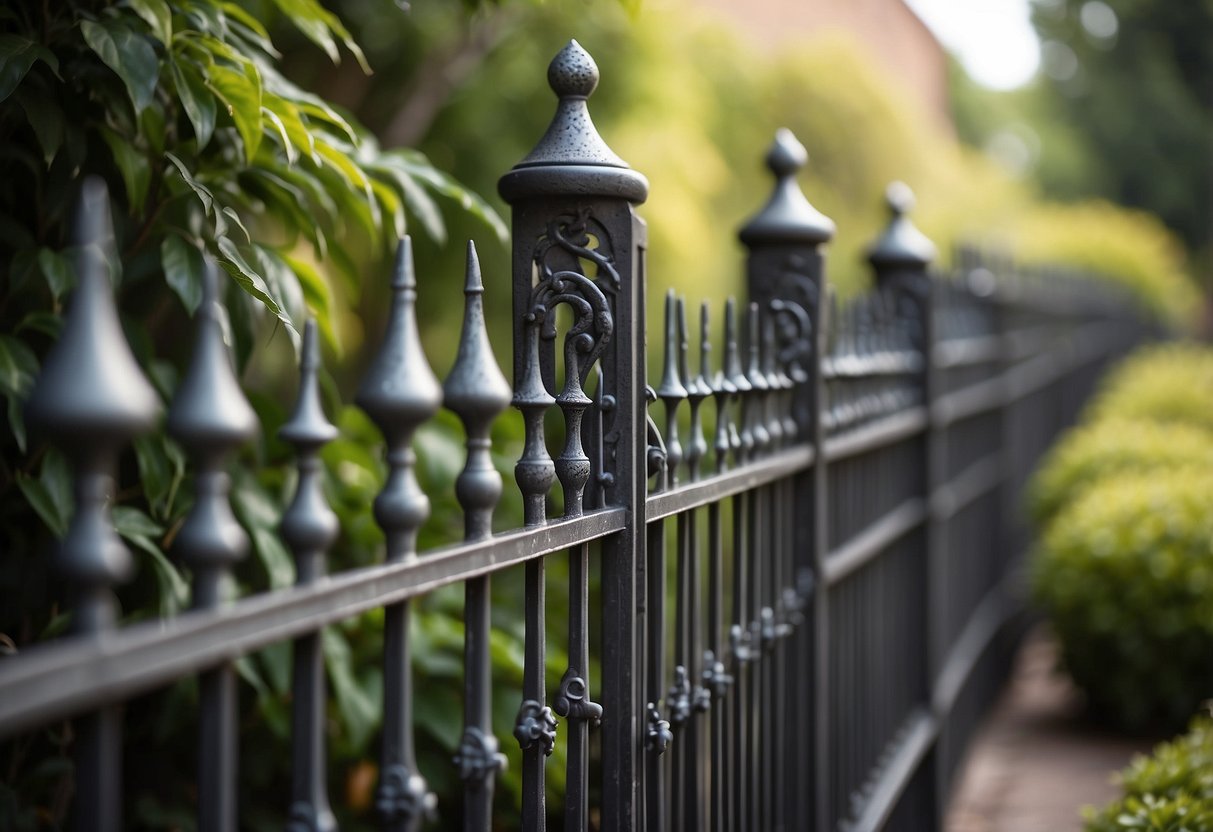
(785, 276)
(578, 240)
(900, 257)
(90, 399)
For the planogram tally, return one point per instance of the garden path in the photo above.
(1035, 762)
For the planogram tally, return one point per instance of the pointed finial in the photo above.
(308, 427)
(573, 73)
(209, 411)
(787, 218)
(90, 389)
(787, 155)
(572, 151)
(901, 245)
(477, 392)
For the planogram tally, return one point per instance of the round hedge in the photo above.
(1169, 791)
(1093, 452)
(1171, 383)
(1125, 574)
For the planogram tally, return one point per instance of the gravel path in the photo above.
(1035, 762)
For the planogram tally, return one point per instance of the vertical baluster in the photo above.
(716, 680)
(757, 548)
(671, 391)
(399, 393)
(477, 393)
(210, 417)
(573, 700)
(309, 528)
(535, 473)
(723, 392)
(739, 632)
(90, 399)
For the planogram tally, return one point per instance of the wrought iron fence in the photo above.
(837, 495)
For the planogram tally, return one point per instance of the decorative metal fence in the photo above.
(837, 494)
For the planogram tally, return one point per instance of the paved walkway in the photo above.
(1035, 762)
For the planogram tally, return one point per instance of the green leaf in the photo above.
(318, 296)
(45, 119)
(414, 164)
(279, 129)
(133, 165)
(183, 270)
(241, 92)
(18, 366)
(319, 26)
(17, 55)
(283, 284)
(58, 271)
(128, 54)
(157, 15)
(249, 280)
(48, 323)
(50, 494)
(292, 121)
(196, 99)
(358, 701)
(204, 193)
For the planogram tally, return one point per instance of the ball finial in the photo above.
(573, 73)
(899, 198)
(787, 155)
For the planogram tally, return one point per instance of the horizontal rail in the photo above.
(974, 482)
(873, 540)
(878, 434)
(1017, 382)
(985, 623)
(965, 352)
(913, 744)
(717, 487)
(63, 678)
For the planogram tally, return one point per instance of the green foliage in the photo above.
(1169, 791)
(1124, 573)
(1109, 448)
(206, 146)
(1167, 384)
(1139, 98)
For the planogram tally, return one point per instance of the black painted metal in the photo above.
(309, 527)
(477, 392)
(210, 417)
(840, 494)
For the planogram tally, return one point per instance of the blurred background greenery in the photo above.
(687, 97)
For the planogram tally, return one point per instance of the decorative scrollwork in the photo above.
(715, 680)
(402, 796)
(680, 696)
(570, 234)
(478, 757)
(573, 700)
(796, 295)
(658, 735)
(535, 724)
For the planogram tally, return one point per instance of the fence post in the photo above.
(900, 257)
(90, 399)
(578, 240)
(785, 276)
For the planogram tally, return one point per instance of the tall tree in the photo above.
(1136, 81)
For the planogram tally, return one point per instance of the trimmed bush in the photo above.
(1094, 452)
(1125, 573)
(1167, 383)
(1169, 791)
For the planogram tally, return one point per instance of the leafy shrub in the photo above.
(1169, 791)
(1107, 448)
(1125, 573)
(1170, 383)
